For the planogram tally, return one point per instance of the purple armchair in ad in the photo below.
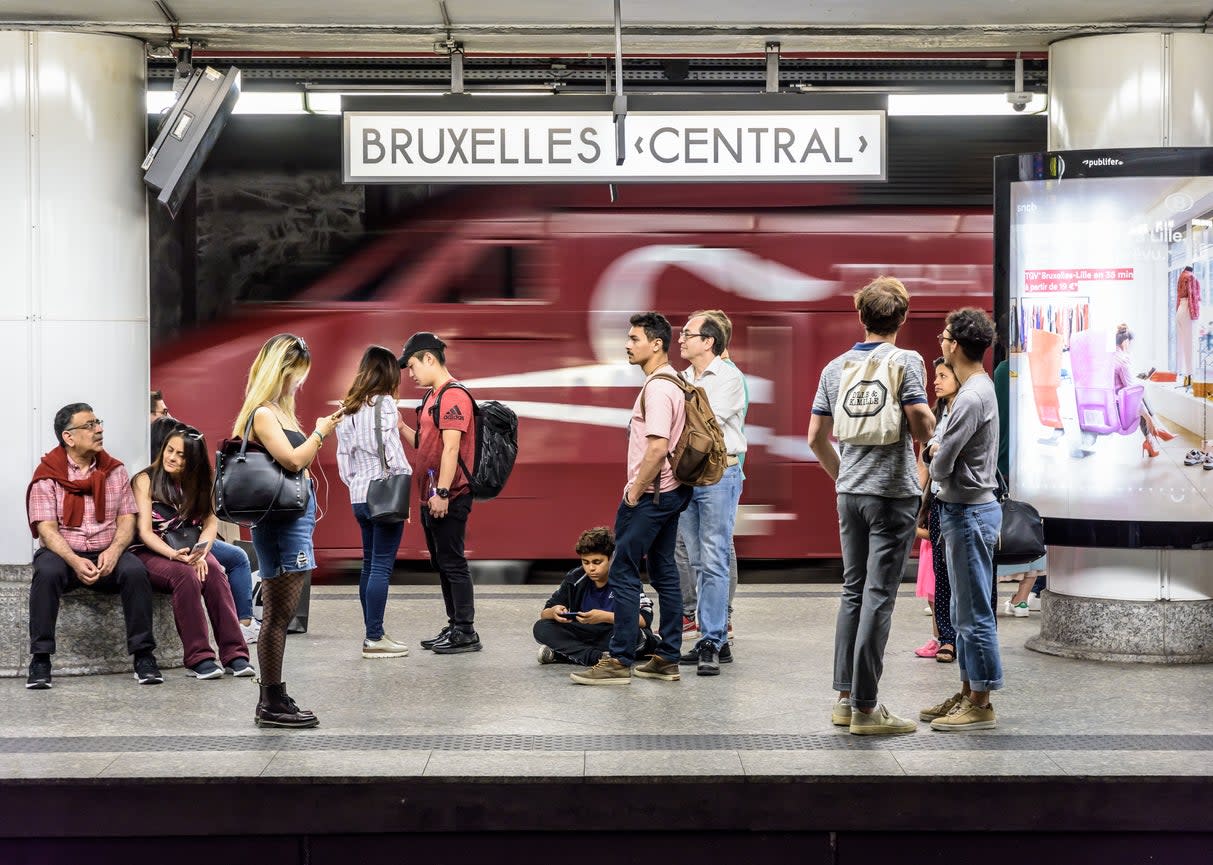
(1102, 409)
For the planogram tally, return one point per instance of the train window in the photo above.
(497, 274)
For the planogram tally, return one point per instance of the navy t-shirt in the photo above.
(598, 599)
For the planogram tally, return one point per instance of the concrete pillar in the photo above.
(1128, 604)
(73, 247)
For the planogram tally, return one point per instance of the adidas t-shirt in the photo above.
(456, 414)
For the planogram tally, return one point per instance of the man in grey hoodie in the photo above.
(963, 459)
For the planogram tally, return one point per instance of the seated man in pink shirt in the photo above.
(82, 511)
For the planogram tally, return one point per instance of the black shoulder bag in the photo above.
(387, 498)
(1022, 536)
(252, 487)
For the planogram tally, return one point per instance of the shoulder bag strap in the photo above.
(379, 435)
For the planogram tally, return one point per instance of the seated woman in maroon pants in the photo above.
(175, 492)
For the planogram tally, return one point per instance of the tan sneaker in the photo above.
(967, 716)
(841, 714)
(880, 722)
(607, 671)
(658, 667)
(941, 709)
(385, 647)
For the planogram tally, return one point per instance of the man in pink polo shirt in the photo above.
(646, 523)
(81, 509)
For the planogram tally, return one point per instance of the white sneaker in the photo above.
(251, 631)
(1006, 608)
(1034, 602)
(384, 647)
(1020, 610)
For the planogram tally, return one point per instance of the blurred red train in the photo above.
(532, 289)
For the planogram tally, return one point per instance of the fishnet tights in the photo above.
(279, 597)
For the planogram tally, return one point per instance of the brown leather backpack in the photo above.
(698, 458)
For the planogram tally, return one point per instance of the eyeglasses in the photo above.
(162, 413)
(943, 337)
(90, 425)
(687, 334)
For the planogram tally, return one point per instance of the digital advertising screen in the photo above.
(1103, 300)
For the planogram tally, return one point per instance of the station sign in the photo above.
(581, 146)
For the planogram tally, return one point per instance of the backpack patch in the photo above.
(868, 411)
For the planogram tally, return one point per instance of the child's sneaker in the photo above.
(929, 649)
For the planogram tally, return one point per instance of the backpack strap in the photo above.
(379, 435)
(682, 385)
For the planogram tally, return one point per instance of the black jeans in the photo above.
(584, 644)
(444, 538)
(647, 531)
(53, 578)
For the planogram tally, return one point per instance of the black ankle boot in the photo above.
(276, 709)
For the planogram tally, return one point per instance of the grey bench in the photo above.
(91, 634)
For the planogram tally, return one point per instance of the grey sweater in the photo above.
(967, 460)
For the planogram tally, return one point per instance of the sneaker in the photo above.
(941, 709)
(39, 678)
(547, 655)
(840, 715)
(251, 631)
(1020, 610)
(437, 638)
(207, 669)
(1034, 602)
(384, 647)
(927, 611)
(1006, 608)
(966, 716)
(880, 722)
(458, 642)
(929, 649)
(689, 625)
(147, 672)
(607, 671)
(1194, 458)
(708, 663)
(726, 654)
(240, 668)
(658, 667)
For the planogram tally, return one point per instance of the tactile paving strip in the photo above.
(312, 741)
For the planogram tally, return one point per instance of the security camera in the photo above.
(1019, 100)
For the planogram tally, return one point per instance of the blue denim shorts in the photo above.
(286, 547)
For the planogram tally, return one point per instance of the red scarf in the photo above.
(54, 467)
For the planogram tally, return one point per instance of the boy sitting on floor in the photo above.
(576, 623)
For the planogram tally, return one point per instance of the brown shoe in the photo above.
(607, 671)
(658, 667)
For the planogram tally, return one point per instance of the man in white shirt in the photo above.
(706, 526)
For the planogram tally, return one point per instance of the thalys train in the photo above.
(532, 290)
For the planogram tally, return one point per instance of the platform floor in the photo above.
(1071, 730)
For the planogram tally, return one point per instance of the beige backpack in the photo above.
(869, 404)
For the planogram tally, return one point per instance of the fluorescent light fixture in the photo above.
(260, 102)
(953, 104)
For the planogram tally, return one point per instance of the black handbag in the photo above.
(1021, 539)
(252, 487)
(387, 498)
(182, 536)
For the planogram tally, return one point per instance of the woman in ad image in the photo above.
(1150, 429)
(1187, 310)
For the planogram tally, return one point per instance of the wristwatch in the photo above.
(442, 493)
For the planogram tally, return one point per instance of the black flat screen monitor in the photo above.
(1104, 294)
(188, 134)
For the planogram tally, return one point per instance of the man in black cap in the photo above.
(445, 439)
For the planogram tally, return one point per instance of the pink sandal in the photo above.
(928, 649)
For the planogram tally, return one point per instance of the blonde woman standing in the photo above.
(371, 418)
(285, 556)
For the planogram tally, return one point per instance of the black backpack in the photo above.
(496, 444)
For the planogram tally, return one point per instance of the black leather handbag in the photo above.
(387, 498)
(182, 536)
(1021, 539)
(252, 487)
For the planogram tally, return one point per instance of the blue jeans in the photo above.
(706, 528)
(380, 541)
(647, 531)
(239, 575)
(970, 533)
